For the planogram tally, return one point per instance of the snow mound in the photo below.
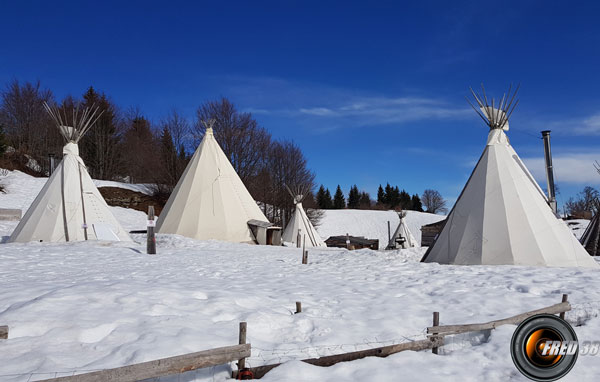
(372, 224)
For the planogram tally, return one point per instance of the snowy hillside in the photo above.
(372, 224)
(76, 307)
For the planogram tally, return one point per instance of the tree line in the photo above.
(389, 197)
(125, 145)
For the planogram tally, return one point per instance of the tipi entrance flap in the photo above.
(104, 231)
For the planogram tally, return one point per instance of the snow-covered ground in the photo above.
(93, 305)
(372, 224)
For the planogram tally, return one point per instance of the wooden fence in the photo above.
(434, 341)
(193, 361)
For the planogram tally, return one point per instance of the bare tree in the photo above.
(243, 141)
(175, 131)
(287, 166)
(433, 201)
(28, 127)
(585, 201)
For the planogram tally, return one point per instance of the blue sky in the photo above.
(373, 92)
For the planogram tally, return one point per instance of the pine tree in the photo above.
(338, 199)
(404, 200)
(416, 203)
(388, 195)
(365, 200)
(380, 195)
(321, 198)
(328, 200)
(354, 197)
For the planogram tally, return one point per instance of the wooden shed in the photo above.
(430, 232)
(355, 242)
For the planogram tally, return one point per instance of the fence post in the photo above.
(347, 241)
(4, 332)
(298, 239)
(151, 238)
(389, 233)
(242, 361)
(565, 298)
(436, 322)
(298, 307)
(304, 252)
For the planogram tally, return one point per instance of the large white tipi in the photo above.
(300, 226)
(69, 207)
(402, 237)
(210, 200)
(502, 216)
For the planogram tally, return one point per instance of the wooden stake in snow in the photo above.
(298, 239)
(304, 252)
(436, 322)
(151, 242)
(347, 241)
(389, 232)
(298, 307)
(243, 327)
(4, 331)
(565, 298)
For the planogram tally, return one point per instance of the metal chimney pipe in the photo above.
(549, 170)
(52, 165)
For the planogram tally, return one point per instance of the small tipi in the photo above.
(300, 226)
(210, 200)
(402, 237)
(502, 216)
(69, 207)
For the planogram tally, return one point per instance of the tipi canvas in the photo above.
(402, 237)
(69, 207)
(502, 216)
(210, 200)
(300, 226)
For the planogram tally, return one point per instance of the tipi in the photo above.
(502, 216)
(69, 207)
(402, 237)
(210, 200)
(591, 236)
(300, 226)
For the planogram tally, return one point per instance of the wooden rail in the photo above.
(330, 360)
(456, 329)
(163, 367)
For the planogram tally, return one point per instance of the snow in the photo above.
(372, 224)
(75, 307)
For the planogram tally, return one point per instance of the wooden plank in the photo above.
(3, 332)
(163, 367)
(456, 329)
(384, 351)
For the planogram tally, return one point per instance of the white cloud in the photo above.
(340, 106)
(568, 168)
